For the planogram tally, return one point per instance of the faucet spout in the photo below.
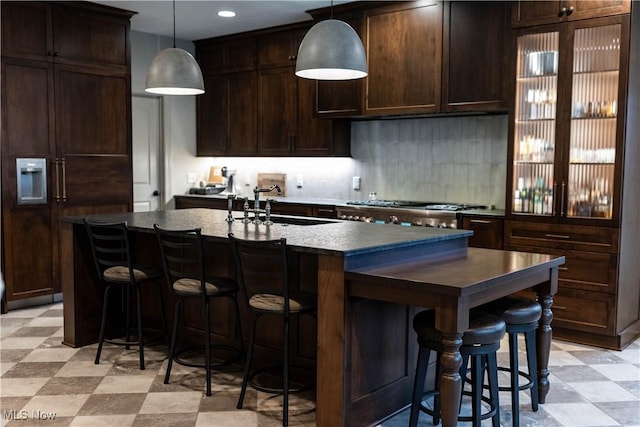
(256, 193)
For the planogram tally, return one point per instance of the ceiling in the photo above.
(199, 20)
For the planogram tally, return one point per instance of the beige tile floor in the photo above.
(44, 383)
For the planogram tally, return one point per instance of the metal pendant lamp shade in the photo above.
(174, 72)
(331, 50)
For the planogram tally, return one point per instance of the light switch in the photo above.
(299, 180)
(356, 183)
(191, 177)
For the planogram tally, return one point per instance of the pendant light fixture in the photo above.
(174, 71)
(331, 50)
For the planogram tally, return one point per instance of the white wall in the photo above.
(445, 159)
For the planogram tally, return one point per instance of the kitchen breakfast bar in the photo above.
(370, 280)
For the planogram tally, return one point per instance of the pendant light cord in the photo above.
(331, 13)
(174, 23)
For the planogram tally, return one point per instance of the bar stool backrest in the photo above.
(110, 247)
(262, 267)
(182, 255)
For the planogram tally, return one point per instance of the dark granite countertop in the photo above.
(498, 213)
(334, 237)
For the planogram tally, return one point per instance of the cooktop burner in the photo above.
(414, 205)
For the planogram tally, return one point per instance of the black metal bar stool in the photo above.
(262, 267)
(184, 266)
(479, 343)
(113, 259)
(521, 316)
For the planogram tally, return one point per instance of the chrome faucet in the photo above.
(256, 203)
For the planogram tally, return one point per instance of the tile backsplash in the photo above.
(441, 159)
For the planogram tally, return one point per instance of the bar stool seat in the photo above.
(479, 343)
(521, 315)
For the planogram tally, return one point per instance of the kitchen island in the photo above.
(369, 279)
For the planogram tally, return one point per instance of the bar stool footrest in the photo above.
(277, 370)
(198, 352)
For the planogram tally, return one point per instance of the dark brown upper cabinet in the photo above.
(530, 13)
(404, 54)
(227, 112)
(474, 56)
(52, 31)
(423, 57)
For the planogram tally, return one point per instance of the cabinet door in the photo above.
(93, 134)
(243, 113)
(536, 175)
(83, 37)
(29, 238)
(212, 136)
(314, 136)
(404, 53)
(26, 30)
(474, 57)
(278, 49)
(27, 108)
(277, 111)
(341, 98)
(487, 232)
(530, 13)
(227, 56)
(595, 128)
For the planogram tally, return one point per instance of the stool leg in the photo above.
(238, 325)
(247, 363)
(127, 307)
(103, 323)
(207, 352)
(436, 398)
(140, 332)
(477, 374)
(172, 346)
(530, 344)
(418, 385)
(463, 373)
(515, 387)
(165, 326)
(285, 374)
(492, 374)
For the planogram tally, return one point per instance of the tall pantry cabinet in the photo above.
(573, 190)
(66, 97)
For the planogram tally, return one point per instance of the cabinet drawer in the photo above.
(584, 311)
(588, 271)
(556, 236)
(487, 232)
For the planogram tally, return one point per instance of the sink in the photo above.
(292, 220)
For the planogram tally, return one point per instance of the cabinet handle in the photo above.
(57, 164)
(553, 197)
(479, 221)
(564, 187)
(558, 236)
(64, 180)
(563, 269)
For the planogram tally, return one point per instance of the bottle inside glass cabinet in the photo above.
(596, 62)
(535, 118)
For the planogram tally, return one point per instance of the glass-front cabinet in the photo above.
(565, 126)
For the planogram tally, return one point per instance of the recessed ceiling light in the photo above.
(226, 14)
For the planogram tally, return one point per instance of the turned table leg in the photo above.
(545, 294)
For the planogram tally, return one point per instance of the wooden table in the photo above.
(452, 283)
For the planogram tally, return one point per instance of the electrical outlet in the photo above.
(299, 180)
(191, 177)
(356, 183)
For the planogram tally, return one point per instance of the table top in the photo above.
(459, 273)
